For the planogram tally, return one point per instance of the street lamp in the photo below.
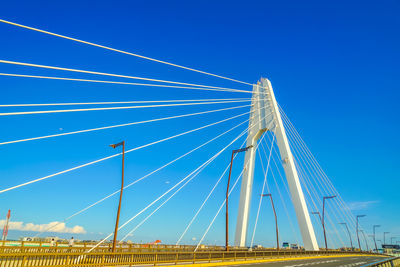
(365, 239)
(120, 194)
(323, 217)
(358, 238)
(276, 221)
(227, 194)
(384, 237)
(351, 241)
(373, 228)
(391, 240)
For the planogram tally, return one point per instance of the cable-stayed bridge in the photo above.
(188, 136)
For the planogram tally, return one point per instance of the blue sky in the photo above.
(334, 68)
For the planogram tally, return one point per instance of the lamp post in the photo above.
(351, 241)
(358, 238)
(365, 239)
(391, 240)
(384, 237)
(373, 228)
(227, 194)
(120, 193)
(323, 217)
(276, 220)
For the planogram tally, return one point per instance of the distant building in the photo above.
(45, 239)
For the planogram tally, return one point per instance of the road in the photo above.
(329, 262)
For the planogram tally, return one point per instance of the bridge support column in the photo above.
(265, 112)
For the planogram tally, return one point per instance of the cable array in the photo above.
(112, 156)
(122, 102)
(115, 75)
(120, 51)
(312, 178)
(233, 186)
(122, 83)
(144, 177)
(116, 108)
(265, 183)
(316, 176)
(205, 200)
(169, 190)
(118, 125)
(284, 204)
(220, 207)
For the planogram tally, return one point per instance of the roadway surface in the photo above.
(329, 262)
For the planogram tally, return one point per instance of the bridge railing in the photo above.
(154, 258)
(393, 262)
(36, 247)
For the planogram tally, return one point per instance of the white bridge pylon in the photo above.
(265, 116)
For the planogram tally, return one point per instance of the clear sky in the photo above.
(334, 67)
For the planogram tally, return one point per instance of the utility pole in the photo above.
(351, 242)
(373, 228)
(5, 229)
(358, 238)
(120, 193)
(276, 220)
(227, 195)
(323, 217)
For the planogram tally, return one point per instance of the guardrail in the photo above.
(393, 262)
(154, 258)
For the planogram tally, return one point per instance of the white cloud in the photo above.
(361, 205)
(56, 227)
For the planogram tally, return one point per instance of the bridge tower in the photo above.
(265, 116)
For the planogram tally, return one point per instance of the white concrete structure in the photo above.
(265, 116)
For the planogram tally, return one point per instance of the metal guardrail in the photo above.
(133, 258)
(393, 262)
